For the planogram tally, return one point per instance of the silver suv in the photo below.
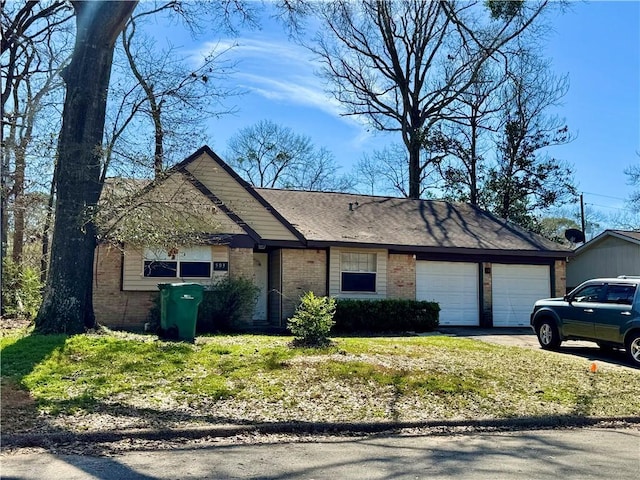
(602, 310)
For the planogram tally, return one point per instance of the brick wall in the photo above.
(302, 271)
(241, 263)
(401, 276)
(241, 266)
(113, 307)
(560, 277)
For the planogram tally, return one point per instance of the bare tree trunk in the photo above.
(18, 206)
(158, 156)
(67, 306)
(5, 191)
(154, 106)
(46, 230)
(473, 173)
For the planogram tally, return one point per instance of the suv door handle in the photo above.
(588, 310)
(628, 314)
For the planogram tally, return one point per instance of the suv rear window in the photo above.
(622, 294)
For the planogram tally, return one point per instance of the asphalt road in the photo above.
(588, 453)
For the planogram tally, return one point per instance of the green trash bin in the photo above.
(179, 310)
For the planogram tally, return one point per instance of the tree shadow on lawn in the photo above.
(17, 360)
(111, 421)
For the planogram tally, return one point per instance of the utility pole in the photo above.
(582, 215)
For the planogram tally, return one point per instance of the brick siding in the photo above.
(401, 276)
(302, 271)
(241, 266)
(241, 263)
(113, 307)
(560, 277)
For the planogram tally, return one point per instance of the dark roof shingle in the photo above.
(399, 222)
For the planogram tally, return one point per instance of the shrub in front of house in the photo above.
(225, 304)
(313, 319)
(382, 316)
(21, 290)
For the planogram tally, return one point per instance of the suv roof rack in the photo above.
(628, 276)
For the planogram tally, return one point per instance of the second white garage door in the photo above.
(515, 289)
(454, 285)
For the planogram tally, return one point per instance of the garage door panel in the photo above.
(515, 288)
(454, 285)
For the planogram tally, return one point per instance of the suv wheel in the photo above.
(548, 335)
(633, 348)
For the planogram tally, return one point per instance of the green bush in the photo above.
(311, 323)
(378, 316)
(21, 290)
(225, 304)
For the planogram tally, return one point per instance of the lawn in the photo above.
(123, 380)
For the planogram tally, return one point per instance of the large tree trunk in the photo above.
(67, 306)
(415, 167)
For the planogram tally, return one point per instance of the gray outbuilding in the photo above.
(610, 254)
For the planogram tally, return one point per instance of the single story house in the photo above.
(482, 270)
(610, 254)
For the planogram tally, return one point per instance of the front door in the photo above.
(261, 273)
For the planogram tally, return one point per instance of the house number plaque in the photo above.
(220, 266)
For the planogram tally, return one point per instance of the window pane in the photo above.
(195, 269)
(358, 282)
(160, 269)
(157, 254)
(622, 294)
(590, 293)
(358, 262)
(196, 254)
(348, 264)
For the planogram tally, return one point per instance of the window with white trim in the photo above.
(192, 262)
(358, 272)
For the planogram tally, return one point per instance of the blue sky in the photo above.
(596, 43)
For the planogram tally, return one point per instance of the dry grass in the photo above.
(118, 381)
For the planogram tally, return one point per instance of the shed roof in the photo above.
(632, 236)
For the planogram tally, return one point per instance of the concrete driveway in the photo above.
(526, 338)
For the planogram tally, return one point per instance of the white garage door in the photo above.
(515, 288)
(454, 285)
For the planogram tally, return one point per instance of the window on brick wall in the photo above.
(358, 272)
(192, 262)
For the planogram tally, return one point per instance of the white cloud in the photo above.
(301, 90)
(285, 74)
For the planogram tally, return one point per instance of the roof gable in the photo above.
(251, 209)
(626, 235)
(135, 209)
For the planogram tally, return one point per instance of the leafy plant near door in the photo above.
(224, 305)
(312, 321)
